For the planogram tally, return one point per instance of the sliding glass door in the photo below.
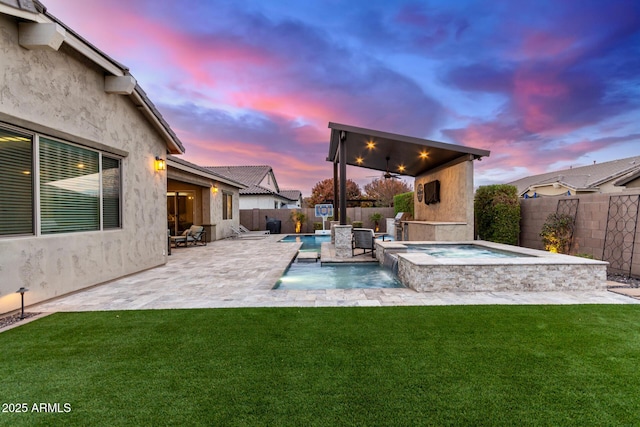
(180, 211)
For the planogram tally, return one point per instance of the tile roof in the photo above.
(28, 5)
(583, 177)
(248, 175)
(251, 176)
(206, 171)
(293, 195)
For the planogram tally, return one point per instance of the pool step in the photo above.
(307, 256)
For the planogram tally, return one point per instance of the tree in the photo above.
(383, 190)
(323, 191)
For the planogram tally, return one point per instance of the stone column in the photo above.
(333, 233)
(343, 241)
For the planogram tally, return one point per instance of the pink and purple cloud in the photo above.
(541, 84)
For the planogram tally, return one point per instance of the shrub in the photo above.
(376, 217)
(556, 233)
(357, 224)
(584, 255)
(403, 203)
(497, 213)
(317, 226)
(298, 218)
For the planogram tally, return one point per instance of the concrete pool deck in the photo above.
(241, 273)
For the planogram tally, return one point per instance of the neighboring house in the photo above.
(607, 177)
(295, 196)
(262, 190)
(82, 200)
(196, 195)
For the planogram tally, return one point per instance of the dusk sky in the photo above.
(543, 85)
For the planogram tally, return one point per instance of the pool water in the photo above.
(311, 275)
(309, 243)
(312, 242)
(460, 251)
(314, 275)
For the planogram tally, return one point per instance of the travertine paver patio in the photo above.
(241, 273)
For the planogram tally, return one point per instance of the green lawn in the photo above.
(460, 365)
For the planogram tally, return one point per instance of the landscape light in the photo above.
(21, 291)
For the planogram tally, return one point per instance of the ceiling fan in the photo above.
(387, 174)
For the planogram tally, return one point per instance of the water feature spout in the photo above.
(391, 262)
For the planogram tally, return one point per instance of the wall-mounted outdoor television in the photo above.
(432, 192)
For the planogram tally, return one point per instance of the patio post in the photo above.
(336, 203)
(343, 178)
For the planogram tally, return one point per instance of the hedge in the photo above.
(497, 213)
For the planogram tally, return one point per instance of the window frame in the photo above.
(227, 205)
(18, 132)
(36, 199)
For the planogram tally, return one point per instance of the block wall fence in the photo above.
(254, 219)
(590, 227)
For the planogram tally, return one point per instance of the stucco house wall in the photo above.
(62, 94)
(223, 226)
(265, 201)
(433, 221)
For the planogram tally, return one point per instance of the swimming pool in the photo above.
(308, 276)
(309, 242)
(314, 275)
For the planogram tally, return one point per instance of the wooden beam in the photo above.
(41, 36)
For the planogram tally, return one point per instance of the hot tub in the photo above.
(486, 266)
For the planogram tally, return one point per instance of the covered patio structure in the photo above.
(443, 196)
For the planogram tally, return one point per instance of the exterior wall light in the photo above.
(214, 189)
(160, 163)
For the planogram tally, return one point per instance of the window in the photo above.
(69, 188)
(110, 193)
(16, 183)
(227, 205)
(75, 188)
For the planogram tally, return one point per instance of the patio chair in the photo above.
(194, 235)
(238, 233)
(246, 230)
(363, 238)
